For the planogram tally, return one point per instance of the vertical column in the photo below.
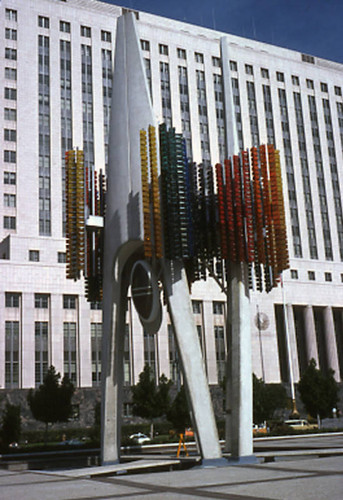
(180, 310)
(330, 341)
(310, 335)
(84, 341)
(240, 383)
(137, 345)
(294, 364)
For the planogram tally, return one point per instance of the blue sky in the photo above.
(311, 26)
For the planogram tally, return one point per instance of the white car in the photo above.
(140, 438)
(300, 424)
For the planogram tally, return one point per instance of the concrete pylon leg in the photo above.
(180, 309)
(240, 381)
(114, 310)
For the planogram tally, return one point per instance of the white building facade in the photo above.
(56, 80)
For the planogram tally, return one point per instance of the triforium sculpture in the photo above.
(168, 223)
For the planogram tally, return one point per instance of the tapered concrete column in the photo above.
(239, 420)
(293, 348)
(330, 341)
(310, 335)
(181, 315)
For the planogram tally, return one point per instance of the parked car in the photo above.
(300, 424)
(140, 438)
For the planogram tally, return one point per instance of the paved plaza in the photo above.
(298, 478)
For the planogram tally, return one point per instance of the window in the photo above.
(199, 58)
(96, 336)
(96, 306)
(233, 65)
(145, 44)
(10, 156)
(9, 222)
(10, 34)
(10, 54)
(196, 306)
(181, 53)
(12, 299)
(41, 300)
(294, 274)
(43, 22)
(106, 36)
(10, 178)
(280, 76)
(163, 49)
(12, 354)
(219, 337)
(34, 255)
(69, 351)
(311, 275)
(306, 58)
(338, 90)
(264, 73)
(249, 69)
(10, 114)
(69, 301)
(328, 276)
(309, 84)
(10, 93)
(218, 307)
(85, 31)
(10, 73)
(11, 15)
(9, 200)
(323, 87)
(216, 61)
(41, 351)
(295, 80)
(64, 26)
(10, 135)
(61, 257)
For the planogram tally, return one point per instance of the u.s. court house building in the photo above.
(56, 80)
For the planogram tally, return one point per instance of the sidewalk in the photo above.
(296, 479)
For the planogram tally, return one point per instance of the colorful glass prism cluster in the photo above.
(212, 217)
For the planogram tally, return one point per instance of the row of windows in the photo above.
(181, 53)
(41, 301)
(312, 275)
(280, 77)
(12, 299)
(85, 31)
(9, 222)
(71, 346)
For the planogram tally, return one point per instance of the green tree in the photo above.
(163, 395)
(150, 401)
(51, 402)
(178, 413)
(319, 392)
(10, 424)
(266, 399)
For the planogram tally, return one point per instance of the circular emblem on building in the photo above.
(262, 321)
